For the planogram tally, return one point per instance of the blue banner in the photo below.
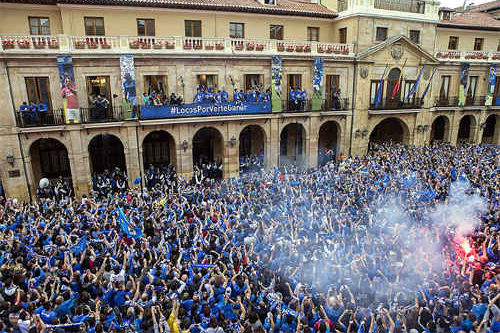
(204, 109)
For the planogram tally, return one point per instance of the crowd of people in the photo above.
(255, 94)
(160, 98)
(109, 182)
(297, 99)
(33, 113)
(56, 190)
(251, 163)
(368, 244)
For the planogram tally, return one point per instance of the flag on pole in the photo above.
(378, 98)
(428, 85)
(80, 246)
(398, 83)
(126, 226)
(414, 89)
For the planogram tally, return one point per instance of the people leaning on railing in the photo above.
(296, 99)
(34, 113)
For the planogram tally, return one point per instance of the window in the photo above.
(381, 34)
(313, 34)
(373, 92)
(253, 80)
(276, 32)
(156, 83)
(415, 36)
(270, 2)
(236, 30)
(38, 90)
(446, 16)
(207, 81)
(408, 87)
(343, 35)
(294, 81)
(39, 25)
(478, 44)
(145, 27)
(471, 91)
(498, 47)
(192, 28)
(94, 26)
(453, 43)
(445, 88)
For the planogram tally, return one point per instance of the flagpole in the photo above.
(378, 96)
(398, 84)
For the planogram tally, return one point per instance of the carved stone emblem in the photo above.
(397, 51)
(363, 72)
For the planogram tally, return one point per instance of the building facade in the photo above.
(374, 70)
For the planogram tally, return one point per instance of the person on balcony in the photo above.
(34, 108)
(25, 113)
(336, 99)
(42, 112)
(224, 96)
(199, 96)
(101, 104)
(292, 100)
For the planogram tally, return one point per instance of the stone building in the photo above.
(449, 55)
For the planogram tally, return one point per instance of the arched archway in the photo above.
(252, 148)
(440, 129)
(49, 159)
(490, 132)
(466, 129)
(390, 129)
(208, 146)
(293, 144)
(106, 153)
(328, 142)
(158, 149)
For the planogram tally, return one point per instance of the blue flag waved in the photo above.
(414, 89)
(80, 246)
(380, 89)
(135, 233)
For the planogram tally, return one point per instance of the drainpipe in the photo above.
(353, 97)
(19, 141)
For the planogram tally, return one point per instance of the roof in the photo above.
(391, 40)
(446, 9)
(486, 6)
(283, 7)
(471, 20)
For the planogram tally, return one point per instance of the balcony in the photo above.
(62, 44)
(468, 56)
(397, 105)
(408, 6)
(342, 104)
(57, 118)
(453, 101)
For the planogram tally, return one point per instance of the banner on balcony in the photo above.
(492, 78)
(68, 89)
(129, 100)
(276, 86)
(317, 96)
(462, 89)
(204, 109)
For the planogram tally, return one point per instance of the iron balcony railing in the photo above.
(409, 6)
(396, 105)
(454, 101)
(340, 104)
(56, 117)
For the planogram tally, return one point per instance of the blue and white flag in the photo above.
(380, 89)
(80, 246)
(135, 233)
(414, 89)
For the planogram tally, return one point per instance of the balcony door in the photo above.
(332, 84)
(444, 90)
(471, 91)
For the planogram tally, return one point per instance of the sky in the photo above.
(457, 3)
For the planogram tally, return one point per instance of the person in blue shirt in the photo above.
(224, 96)
(292, 100)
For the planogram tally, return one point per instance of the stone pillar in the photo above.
(312, 142)
(131, 153)
(80, 167)
(231, 152)
(273, 142)
(454, 124)
(184, 156)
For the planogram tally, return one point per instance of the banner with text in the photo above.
(204, 109)
(129, 100)
(68, 89)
